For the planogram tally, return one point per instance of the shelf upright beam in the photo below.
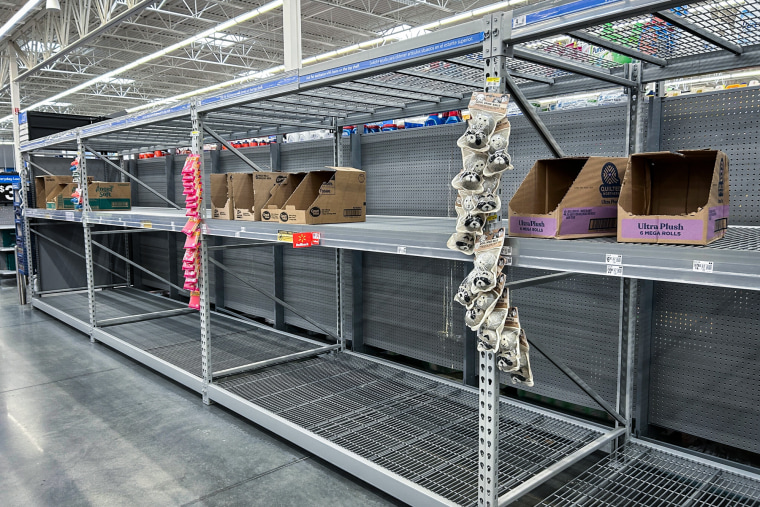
(30, 281)
(203, 281)
(171, 238)
(19, 163)
(84, 200)
(278, 288)
(470, 363)
(626, 340)
(497, 27)
(633, 129)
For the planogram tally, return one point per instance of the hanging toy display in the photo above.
(483, 294)
(193, 192)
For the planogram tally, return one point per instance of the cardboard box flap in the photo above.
(242, 190)
(309, 189)
(337, 168)
(283, 189)
(543, 189)
(219, 190)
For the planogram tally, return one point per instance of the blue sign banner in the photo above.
(22, 117)
(250, 90)
(125, 121)
(560, 10)
(401, 56)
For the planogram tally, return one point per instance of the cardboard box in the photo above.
(221, 197)
(676, 198)
(337, 195)
(263, 184)
(573, 197)
(45, 186)
(103, 196)
(241, 189)
(285, 185)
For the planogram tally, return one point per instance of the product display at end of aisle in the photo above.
(193, 192)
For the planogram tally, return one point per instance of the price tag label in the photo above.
(613, 270)
(146, 224)
(703, 266)
(519, 21)
(615, 259)
(285, 236)
(507, 250)
(401, 250)
(507, 260)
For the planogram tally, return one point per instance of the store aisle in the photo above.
(81, 424)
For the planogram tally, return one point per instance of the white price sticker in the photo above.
(507, 250)
(614, 270)
(615, 259)
(401, 250)
(519, 21)
(703, 266)
(507, 260)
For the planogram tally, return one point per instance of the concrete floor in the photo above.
(80, 424)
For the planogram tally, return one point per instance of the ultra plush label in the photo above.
(533, 226)
(655, 229)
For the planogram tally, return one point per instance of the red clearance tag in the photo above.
(302, 240)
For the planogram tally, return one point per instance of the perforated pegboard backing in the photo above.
(576, 320)
(591, 131)
(231, 163)
(408, 307)
(409, 172)
(705, 356)
(152, 172)
(309, 284)
(254, 265)
(312, 155)
(728, 121)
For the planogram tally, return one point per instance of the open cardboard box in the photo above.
(240, 186)
(676, 198)
(263, 184)
(103, 196)
(285, 185)
(573, 197)
(221, 197)
(49, 186)
(336, 195)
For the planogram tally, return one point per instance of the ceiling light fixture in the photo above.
(52, 5)
(20, 14)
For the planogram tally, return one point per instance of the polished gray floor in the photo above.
(81, 424)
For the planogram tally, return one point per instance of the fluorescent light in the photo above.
(222, 40)
(56, 104)
(20, 14)
(158, 54)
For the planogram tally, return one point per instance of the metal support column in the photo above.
(654, 119)
(291, 33)
(356, 149)
(171, 238)
(337, 151)
(19, 163)
(495, 28)
(357, 300)
(88, 259)
(626, 340)
(634, 131)
(275, 151)
(127, 241)
(203, 281)
(134, 245)
(30, 280)
(644, 349)
(470, 366)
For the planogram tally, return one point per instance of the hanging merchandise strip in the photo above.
(484, 158)
(76, 173)
(193, 192)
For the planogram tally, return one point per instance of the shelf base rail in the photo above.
(275, 360)
(143, 317)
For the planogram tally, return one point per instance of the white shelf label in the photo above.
(614, 270)
(615, 259)
(703, 266)
(519, 21)
(401, 250)
(507, 250)
(508, 260)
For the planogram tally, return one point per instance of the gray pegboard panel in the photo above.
(577, 321)
(255, 266)
(231, 163)
(312, 155)
(590, 131)
(408, 307)
(409, 172)
(727, 120)
(309, 285)
(153, 249)
(152, 172)
(61, 166)
(705, 376)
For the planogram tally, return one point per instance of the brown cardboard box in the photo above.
(103, 196)
(568, 198)
(221, 197)
(285, 185)
(263, 184)
(240, 187)
(677, 198)
(45, 185)
(337, 195)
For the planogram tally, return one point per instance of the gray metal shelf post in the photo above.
(203, 281)
(26, 179)
(84, 201)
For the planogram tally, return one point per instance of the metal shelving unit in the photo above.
(414, 435)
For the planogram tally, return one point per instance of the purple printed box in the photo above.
(568, 198)
(674, 198)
